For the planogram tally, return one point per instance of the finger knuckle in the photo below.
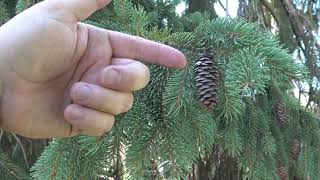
(102, 132)
(74, 114)
(112, 76)
(92, 132)
(127, 103)
(81, 92)
(142, 78)
(147, 74)
(111, 122)
(108, 125)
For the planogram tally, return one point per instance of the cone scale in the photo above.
(281, 113)
(295, 149)
(283, 173)
(207, 81)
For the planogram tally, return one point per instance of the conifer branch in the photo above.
(56, 162)
(22, 149)
(174, 166)
(167, 130)
(11, 168)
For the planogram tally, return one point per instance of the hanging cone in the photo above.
(283, 173)
(207, 81)
(295, 149)
(281, 113)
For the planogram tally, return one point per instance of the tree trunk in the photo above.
(242, 8)
(285, 28)
(203, 170)
(201, 6)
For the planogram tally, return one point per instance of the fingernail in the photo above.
(183, 65)
(82, 92)
(111, 77)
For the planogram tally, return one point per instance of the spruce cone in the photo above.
(281, 113)
(295, 149)
(207, 81)
(283, 173)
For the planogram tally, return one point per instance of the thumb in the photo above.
(81, 9)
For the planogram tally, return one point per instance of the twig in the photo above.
(225, 9)
(155, 169)
(14, 149)
(22, 149)
(1, 134)
(271, 10)
(8, 169)
(262, 17)
(298, 84)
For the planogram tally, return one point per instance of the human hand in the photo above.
(48, 56)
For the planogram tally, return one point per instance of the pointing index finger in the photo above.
(133, 47)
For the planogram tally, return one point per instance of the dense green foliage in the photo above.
(168, 130)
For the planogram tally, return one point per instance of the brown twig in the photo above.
(14, 150)
(271, 10)
(8, 169)
(22, 149)
(1, 135)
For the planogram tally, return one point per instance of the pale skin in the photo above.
(49, 60)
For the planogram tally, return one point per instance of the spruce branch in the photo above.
(10, 168)
(22, 149)
(165, 131)
(179, 92)
(4, 15)
(48, 166)
(204, 126)
(142, 140)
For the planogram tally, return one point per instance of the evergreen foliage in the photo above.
(4, 16)
(191, 21)
(167, 131)
(24, 4)
(10, 6)
(10, 170)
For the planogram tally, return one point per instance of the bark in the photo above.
(155, 170)
(201, 6)
(302, 29)
(242, 8)
(228, 169)
(285, 29)
(271, 10)
(205, 167)
(203, 170)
